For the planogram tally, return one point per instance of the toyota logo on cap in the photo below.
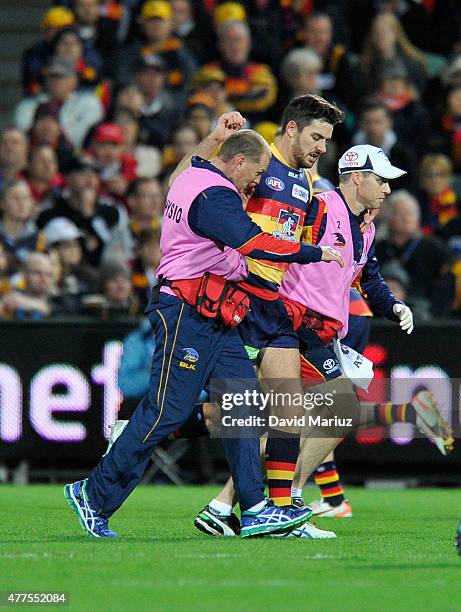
(351, 156)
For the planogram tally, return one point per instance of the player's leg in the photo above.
(333, 502)
(233, 374)
(280, 370)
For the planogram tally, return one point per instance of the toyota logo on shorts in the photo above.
(329, 364)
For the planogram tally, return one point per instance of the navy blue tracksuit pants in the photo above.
(190, 350)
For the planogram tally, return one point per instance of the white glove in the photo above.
(406, 317)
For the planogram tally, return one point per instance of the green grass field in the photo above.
(396, 553)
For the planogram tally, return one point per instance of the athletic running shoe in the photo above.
(115, 432)
(430, 422)
(308, 530)
(212, 523)
(323, 509)
(95, 525)
(273, 519)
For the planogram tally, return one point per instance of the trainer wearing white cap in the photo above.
(366, 157)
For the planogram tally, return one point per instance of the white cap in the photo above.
(61, 228)
(368, 158)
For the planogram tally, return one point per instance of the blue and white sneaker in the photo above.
(272, 519)
(95, 525)
(308, 530)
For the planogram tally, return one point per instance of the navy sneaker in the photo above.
(95, 525)
(273, 519)
(212, 523)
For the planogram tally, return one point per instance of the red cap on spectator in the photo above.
(108, 132)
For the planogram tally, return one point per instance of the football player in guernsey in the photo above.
(278, 205)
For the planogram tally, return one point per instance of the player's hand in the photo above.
(228, 124)
(330, 254)
(405, 316)
(368, 219)
(246, 195)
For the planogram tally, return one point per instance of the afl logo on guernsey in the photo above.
(275, 183)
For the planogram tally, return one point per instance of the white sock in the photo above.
(257, 507)
(296, 492)
(220, 507)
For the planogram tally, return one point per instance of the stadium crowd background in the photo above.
(116, 92)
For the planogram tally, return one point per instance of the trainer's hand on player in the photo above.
(405, 316)
(228, 124)
(330, 254)
(368, 218)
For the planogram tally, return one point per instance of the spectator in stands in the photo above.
(129, 98)
(388, 45)
(34, 301)
(158, 112)
(18, 232)
(75, 279)
(251, 87)
(437, 198)
(116, 167)
(446, 135)
(184, 141)
(144, 266)
(100, 27)
(145, 201)
(338, 75)
(426, 259)
(69, 47)
(200, 113)
(96, 216)
(42, 175)
(78, 110)
(6, 270)
(410, 118)
(190, 26)
(156, 40)
(375, 127)
(148, 158)
(47, 131)
(398, 280)
(212, 81)
(13, 154)
(300, 71)
(116, 298)
(36, 57)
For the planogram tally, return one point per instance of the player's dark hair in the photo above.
(303, 110)
(244, 142)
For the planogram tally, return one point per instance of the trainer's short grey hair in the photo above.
(299, 62)
(245, 142)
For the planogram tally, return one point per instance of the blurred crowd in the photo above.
(116, 92)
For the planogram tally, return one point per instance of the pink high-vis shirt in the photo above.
(324, 287)
(186, 255)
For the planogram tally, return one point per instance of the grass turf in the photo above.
(396, 553)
